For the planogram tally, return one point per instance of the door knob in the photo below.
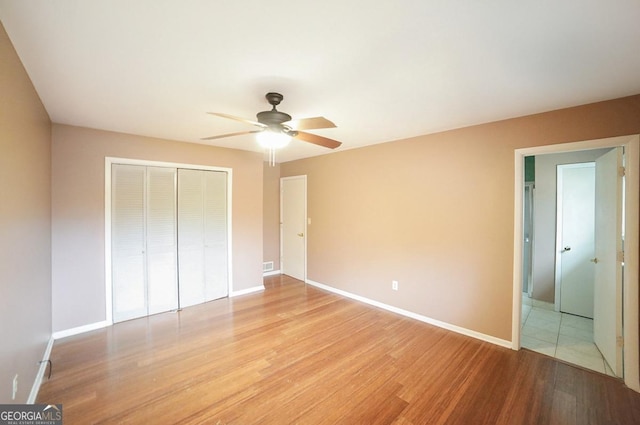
(301, 234)
(566, 248)
(594, 260)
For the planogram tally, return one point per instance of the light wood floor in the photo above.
(296, 354)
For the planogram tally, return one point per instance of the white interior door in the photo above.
(293, 219)
(575, 238)
(607, 319)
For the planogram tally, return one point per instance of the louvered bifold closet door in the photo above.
(202, 236)
(143, 241)
(162, 272)
(215, 235)
(128, 242)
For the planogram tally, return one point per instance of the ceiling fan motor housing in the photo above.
(273, 118)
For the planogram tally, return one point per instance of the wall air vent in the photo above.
(267, 267)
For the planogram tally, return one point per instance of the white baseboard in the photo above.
(271, 273)
(40, 375)
(246, 291)
(80, 329)
(438, 323)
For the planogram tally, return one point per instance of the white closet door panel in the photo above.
(191, 276)
(129, 295)
(128, 242)
(162, 287)
(161, 240)
(190, 237)
(216, 285)
(215, 235)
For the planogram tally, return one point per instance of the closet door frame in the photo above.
(108, 162)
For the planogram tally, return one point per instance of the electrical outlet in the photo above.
(394, 285)
(15, 387)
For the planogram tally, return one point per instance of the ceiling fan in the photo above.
(277, 128)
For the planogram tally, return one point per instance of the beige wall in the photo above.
(271, 213)
(436, 213)
(78, 209)
(544, 218)
(25, 226)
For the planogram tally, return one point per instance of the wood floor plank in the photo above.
(297, 354)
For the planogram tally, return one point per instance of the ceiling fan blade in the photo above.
(222, 136)
(233, 117)
(318, 140)
(310, 123)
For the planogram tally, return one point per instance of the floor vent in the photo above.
(267, 267)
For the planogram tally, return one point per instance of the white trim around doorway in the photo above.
(630, 282)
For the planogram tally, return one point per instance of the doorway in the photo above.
(630, 278)
(293, 227)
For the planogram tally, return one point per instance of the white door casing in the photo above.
(575, 238)
(293, 226)
(607, 319)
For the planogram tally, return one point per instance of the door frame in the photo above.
(630, 282)
(108, 161)
(559, 229)
(306, 222)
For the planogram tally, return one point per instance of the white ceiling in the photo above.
(380, 70)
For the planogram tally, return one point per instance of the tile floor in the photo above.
(560, 335)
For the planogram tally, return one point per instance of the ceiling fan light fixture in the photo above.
(273, 139)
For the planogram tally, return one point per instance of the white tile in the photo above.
(543, 347)
(543, 305)
(608, 370)
(585, 335)
(526, 309)
(585, 347)
(549, 336)
(550, 316)
(548, 325)
(576, 357)
(577, 322)
(526, 300)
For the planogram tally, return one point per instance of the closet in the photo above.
(169, 245)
